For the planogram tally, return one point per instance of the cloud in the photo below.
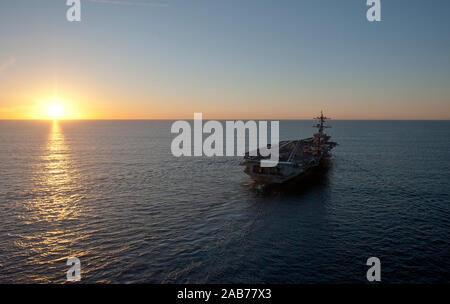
(131, 3)
(7, 64)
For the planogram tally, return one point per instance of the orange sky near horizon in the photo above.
(97, 106)
(31, 97)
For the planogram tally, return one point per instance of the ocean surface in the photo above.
(112, 194)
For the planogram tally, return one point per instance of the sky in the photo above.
(246, 59)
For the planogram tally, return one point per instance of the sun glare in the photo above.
(55, 111)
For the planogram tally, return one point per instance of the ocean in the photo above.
(111, 194)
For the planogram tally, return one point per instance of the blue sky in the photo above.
(229, 59)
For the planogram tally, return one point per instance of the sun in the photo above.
(54, 108)
(55, 111)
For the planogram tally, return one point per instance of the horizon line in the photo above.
(244, 119)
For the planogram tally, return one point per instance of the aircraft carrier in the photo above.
(296, 157)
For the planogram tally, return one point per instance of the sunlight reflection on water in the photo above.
(52, 209)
